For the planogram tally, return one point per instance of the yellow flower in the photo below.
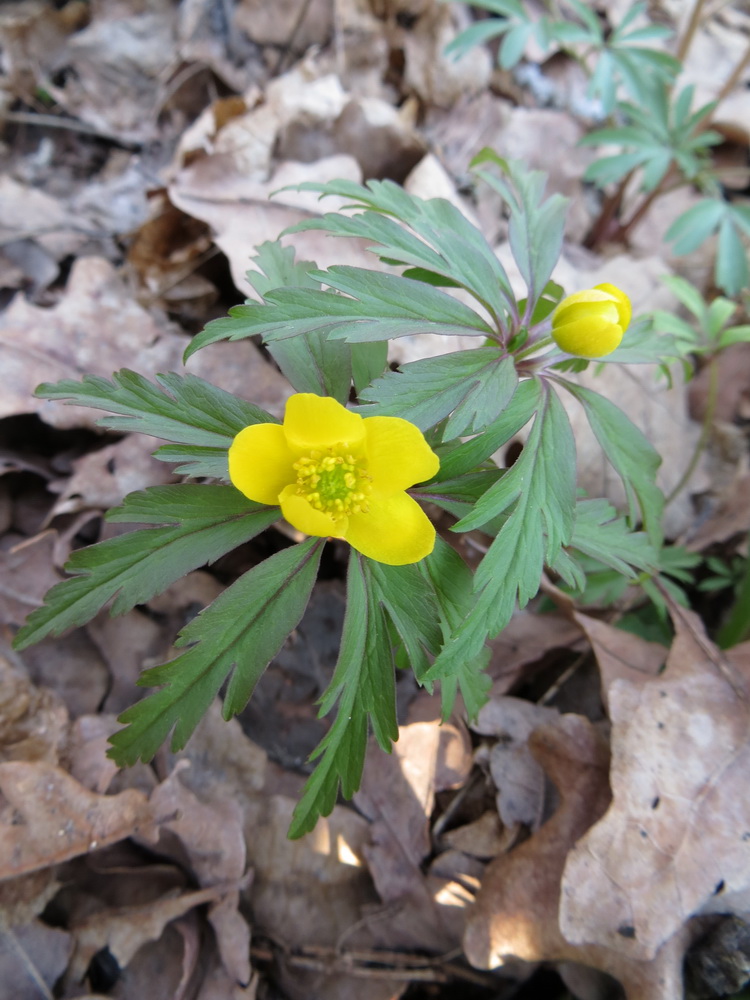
(590, 324)
(337, 474)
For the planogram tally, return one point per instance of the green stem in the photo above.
(737, 626)
(708, 419)
(533, 348)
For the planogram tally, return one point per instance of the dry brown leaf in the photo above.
(86, 751)
(24, 897)
(97, 328)
(284, 23)
(441, 79)
(126, 930)
(118, 62)
(32, 958)
(128, 644)
(211, 835)
(676, 840)
(31, 32)
(730, 516)
(217, 191)
(48, 817)
(526, 639)
(70, 666)
(26, 573)
(621, 654)
(311, 892)
(33, 723)
(519, 779)
(733, 365)
(516, 912)
(398, 795)
(102, 478)
(36, 232)
(484, 838)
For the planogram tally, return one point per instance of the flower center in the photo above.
(334, 482)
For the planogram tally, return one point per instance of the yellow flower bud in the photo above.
(591, 324)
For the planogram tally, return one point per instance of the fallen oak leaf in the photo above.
(621, 654)
(676, 840)
(125, 930)
(516, 911)
(50, 817)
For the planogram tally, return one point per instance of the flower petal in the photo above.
(312, 422)
(397, 456)
(624, 308)
(585, 305)
(395, 531)
(589, 338)
(260, 462)
(302, 516)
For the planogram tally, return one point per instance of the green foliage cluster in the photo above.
(663, 141)
(328, 331)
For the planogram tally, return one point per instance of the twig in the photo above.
(734, 77)
(285, 50)
(70, 124)
(31, 969)
(690, 30)
(372, 964)
(563, 679)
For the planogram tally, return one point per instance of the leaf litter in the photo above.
(143, 146)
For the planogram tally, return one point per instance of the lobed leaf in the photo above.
(184, 409)
(243, 629)
(630, 453)
(474, 386)
(200, 524)
(363, 684)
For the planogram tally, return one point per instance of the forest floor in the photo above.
(141, 141)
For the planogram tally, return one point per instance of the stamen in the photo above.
(333, 482)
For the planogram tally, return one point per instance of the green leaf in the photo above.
(536, 224)
(734, 335)
(453, 585)
(695, 225)
(467, 456)
(476, 34)
(513, 45)
(688, 295)
(363, 684)
(376, 306)
(631, 455)
(601, 533)
(542, 477)
(196, 460)
(313, 363)
(411, 605)
(588, 17)
(643, 344)
(438, 239)
(475, 386)
(538, 491)
(369, 361)
(180, 408)
(459, 495)
(731, 272)
(244, 629)
(201, 523)
(609, 169)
